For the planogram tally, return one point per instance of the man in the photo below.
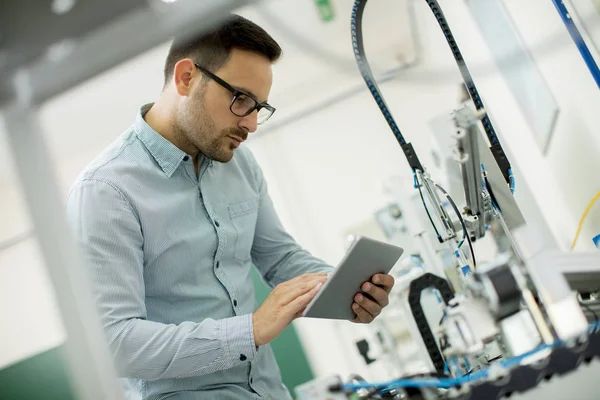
(172, 217)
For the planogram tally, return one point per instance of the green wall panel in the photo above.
(42, 377)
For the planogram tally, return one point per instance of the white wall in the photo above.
(572, 159)
(29, 314)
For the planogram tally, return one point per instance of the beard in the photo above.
(195, 127)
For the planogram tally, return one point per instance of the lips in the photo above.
(237, 139)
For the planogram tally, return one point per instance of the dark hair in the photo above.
(212, 49)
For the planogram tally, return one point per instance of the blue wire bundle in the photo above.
(449, 382)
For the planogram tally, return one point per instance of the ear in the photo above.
(184, 75)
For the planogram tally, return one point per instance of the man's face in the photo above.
(204, 117)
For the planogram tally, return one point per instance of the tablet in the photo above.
(365, 258)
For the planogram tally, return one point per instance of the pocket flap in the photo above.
(243, 208)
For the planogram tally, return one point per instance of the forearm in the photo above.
(149, 350)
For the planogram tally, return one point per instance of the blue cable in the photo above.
(456, 365)
(448, 382)
(467, 365)
(417, 261)
(578, 39)
(511, 178)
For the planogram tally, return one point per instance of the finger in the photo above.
(305, 278)
(362, 315)
(376, 293)
(289, 293)
(371, 306)
(385, 281)
(298, 305)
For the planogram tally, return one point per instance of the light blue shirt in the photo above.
(169, 255)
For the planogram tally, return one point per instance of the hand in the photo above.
(285, 303)
(367, 308)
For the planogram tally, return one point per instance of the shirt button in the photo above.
(218, 263)
(251, 380)
(235, 303)
(186, 158)
(242, 357)
(217, 223)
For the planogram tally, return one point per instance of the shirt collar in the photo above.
(167, 155)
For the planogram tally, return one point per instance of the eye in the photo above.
(244, 103)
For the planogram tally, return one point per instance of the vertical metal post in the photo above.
(88, 360)
(466, 120)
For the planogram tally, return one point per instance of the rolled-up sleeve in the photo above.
(110, 235)
(275, 253)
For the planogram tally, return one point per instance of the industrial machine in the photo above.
(495, 328)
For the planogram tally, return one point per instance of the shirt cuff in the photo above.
(239, 339)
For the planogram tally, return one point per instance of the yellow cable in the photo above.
(585, 213)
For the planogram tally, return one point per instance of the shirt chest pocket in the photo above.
(243, 218)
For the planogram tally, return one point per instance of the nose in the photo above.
(249, 122)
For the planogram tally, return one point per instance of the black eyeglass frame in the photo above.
(237, 93)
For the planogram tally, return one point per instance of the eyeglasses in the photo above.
(242, 104)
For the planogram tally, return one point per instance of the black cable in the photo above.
(495, 358)
(495, 146)
(418, 184)
(489, 189)
(462, 222)
(365, 70)
(442, 319)
(367, 74)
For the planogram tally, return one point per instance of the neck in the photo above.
(161, 118)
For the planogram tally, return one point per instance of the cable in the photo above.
(418, 185)
(582, 220)
(511, 178)
(469, 377)
(455, 208)
(491, 193)
(495, 146)
(498, 357)
(485, 183)
(579, 42)
(365, 71)
(449, 382)
(462, 222)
